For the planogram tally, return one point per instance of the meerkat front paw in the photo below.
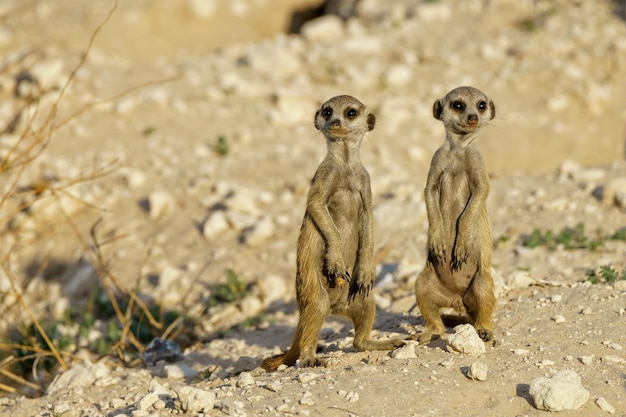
(436, 248)
(459, 257)
(335, 269)
(362, 282)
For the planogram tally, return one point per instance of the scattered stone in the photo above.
(77, 376)
(563, 391)
(605, 405)
(245, 380)
(325, 28)
(586, 360)
(194, 400)
(520, 279)
(612, 360)
(349, 395)
(160, 204)
(306, 377)
(179, 371)
(478, 371)
(466, 340)
(215, 225)
(307, 399)
(558, 319)
(274, 386)
(405, 352)
(259, 233)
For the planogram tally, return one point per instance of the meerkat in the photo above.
(334, 260)
(458, 267)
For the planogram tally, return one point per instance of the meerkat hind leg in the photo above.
(362, 314)
(479, 303)
(430, 301)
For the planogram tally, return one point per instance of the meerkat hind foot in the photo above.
(426, 337)
(484, 334)
(312, 362)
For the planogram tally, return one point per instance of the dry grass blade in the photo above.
(36, 323)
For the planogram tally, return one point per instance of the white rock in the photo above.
(179, 371)
(558, 102)
(215, 225)
(194, 400)
(307, 399)
(306, 377)
(251, 306)
(160, 204)
(614, 193)
(147, 401)
(77, 376)
(202, 9)
(398, 75)
(563, 391)
(271, 288)
(326, 28)
(239, 221)
(586, 360)
(466, 340)
(404, 352)
(274, 386)
(605, 405)
(291, 109)
(558, 319)
(434, 11)
(245, 380)
(478, 371)
(520, 279)
(48, 73)
(243, 201)
(612, 360)
(260, 232)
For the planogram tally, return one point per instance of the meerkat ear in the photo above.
(437, 109)
(492, 107)
(371, 121)
(317, 113)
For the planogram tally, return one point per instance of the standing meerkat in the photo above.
(457, 272)
(335, 265)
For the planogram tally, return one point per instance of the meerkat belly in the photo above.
(345, 210)
(454, 196)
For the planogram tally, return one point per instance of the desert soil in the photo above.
(195, 150)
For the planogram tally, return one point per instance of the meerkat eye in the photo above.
(458, 105)
(482, 105)
(351, 113)
(327, 113)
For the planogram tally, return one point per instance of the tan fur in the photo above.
(457, 273)
(335, 267)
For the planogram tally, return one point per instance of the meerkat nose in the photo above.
(472, 118)
(335, 124)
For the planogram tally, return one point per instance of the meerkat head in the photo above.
(344, 117)
(464, 110)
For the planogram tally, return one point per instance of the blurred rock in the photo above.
(563, 391)
(478, 371)
(194, 400)
(466, 340)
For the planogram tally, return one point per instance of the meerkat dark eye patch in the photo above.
(458, 105)
(482, 105)
(351, 113)
(327, 112)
